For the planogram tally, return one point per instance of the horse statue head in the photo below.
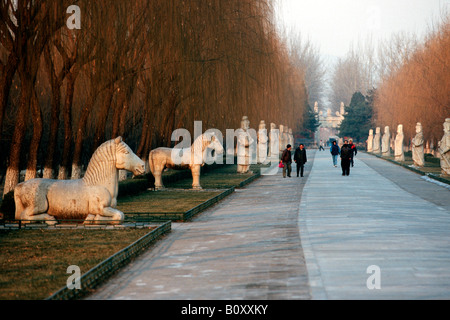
(205, 148)
(111, 156)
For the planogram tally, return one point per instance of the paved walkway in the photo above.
(305, 238)
(375, 217)
(245, 247)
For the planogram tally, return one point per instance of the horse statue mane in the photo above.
(102, 163)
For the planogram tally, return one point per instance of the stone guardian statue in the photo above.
(385, 143)
(243, 146)
(262, 142)
(291, 138)
(377, 141)
(418, 146)
(370, 141)
(282, 138)
(274, 142)
(444, 148)
(398, 150)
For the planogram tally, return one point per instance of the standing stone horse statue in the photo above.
(193, 159)
(92, 198)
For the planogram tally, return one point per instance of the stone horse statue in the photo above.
(193, 158)
(92, 198)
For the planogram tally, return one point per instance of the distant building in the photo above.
(329, 123)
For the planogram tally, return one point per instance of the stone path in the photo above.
(348, 224)
(245, 247)
(305, 238)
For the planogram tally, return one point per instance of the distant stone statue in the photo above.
(244, 142)
(192, 158)
(377, 141)
(282, 139)
(444, 148)
(291, 138)
(262, 142)
(417, 144)
(274, 142)
(92, 198)
(385, 143)
(398, 151)
(370, 141)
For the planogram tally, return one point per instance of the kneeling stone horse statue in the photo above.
(92, 198)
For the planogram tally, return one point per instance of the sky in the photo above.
(334, 25)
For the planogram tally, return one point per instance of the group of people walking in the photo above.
(346, 152)
(299, 158)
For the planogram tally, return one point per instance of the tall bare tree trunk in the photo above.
(7, 74)
(102, 118)
(81, 129)
(12, 173)
(36, 139)
(65, 161)
(55, 110)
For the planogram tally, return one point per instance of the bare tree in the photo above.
(31, 25)
(307, 57)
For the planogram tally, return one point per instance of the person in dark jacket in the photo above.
(335, 151)
(286, 158)
(354, 151)
(300, 159)
(346, 158)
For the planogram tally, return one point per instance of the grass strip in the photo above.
(33, 263)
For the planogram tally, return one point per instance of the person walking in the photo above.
(335, 151)
(300, 159)
(286, 158)
(346, 158)
(354, 150)
(321, 146)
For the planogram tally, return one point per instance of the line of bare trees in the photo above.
(139, 69)
(417, 88)
(410, 79)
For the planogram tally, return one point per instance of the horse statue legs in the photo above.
(109, 215)
(195, 169)
(157, 172)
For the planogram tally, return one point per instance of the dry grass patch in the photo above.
(33, 263)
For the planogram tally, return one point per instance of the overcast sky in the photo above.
(333, 25)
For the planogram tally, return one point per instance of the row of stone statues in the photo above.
(267, 144)
(382, 145)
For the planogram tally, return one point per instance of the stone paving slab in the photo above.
(348, 223)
